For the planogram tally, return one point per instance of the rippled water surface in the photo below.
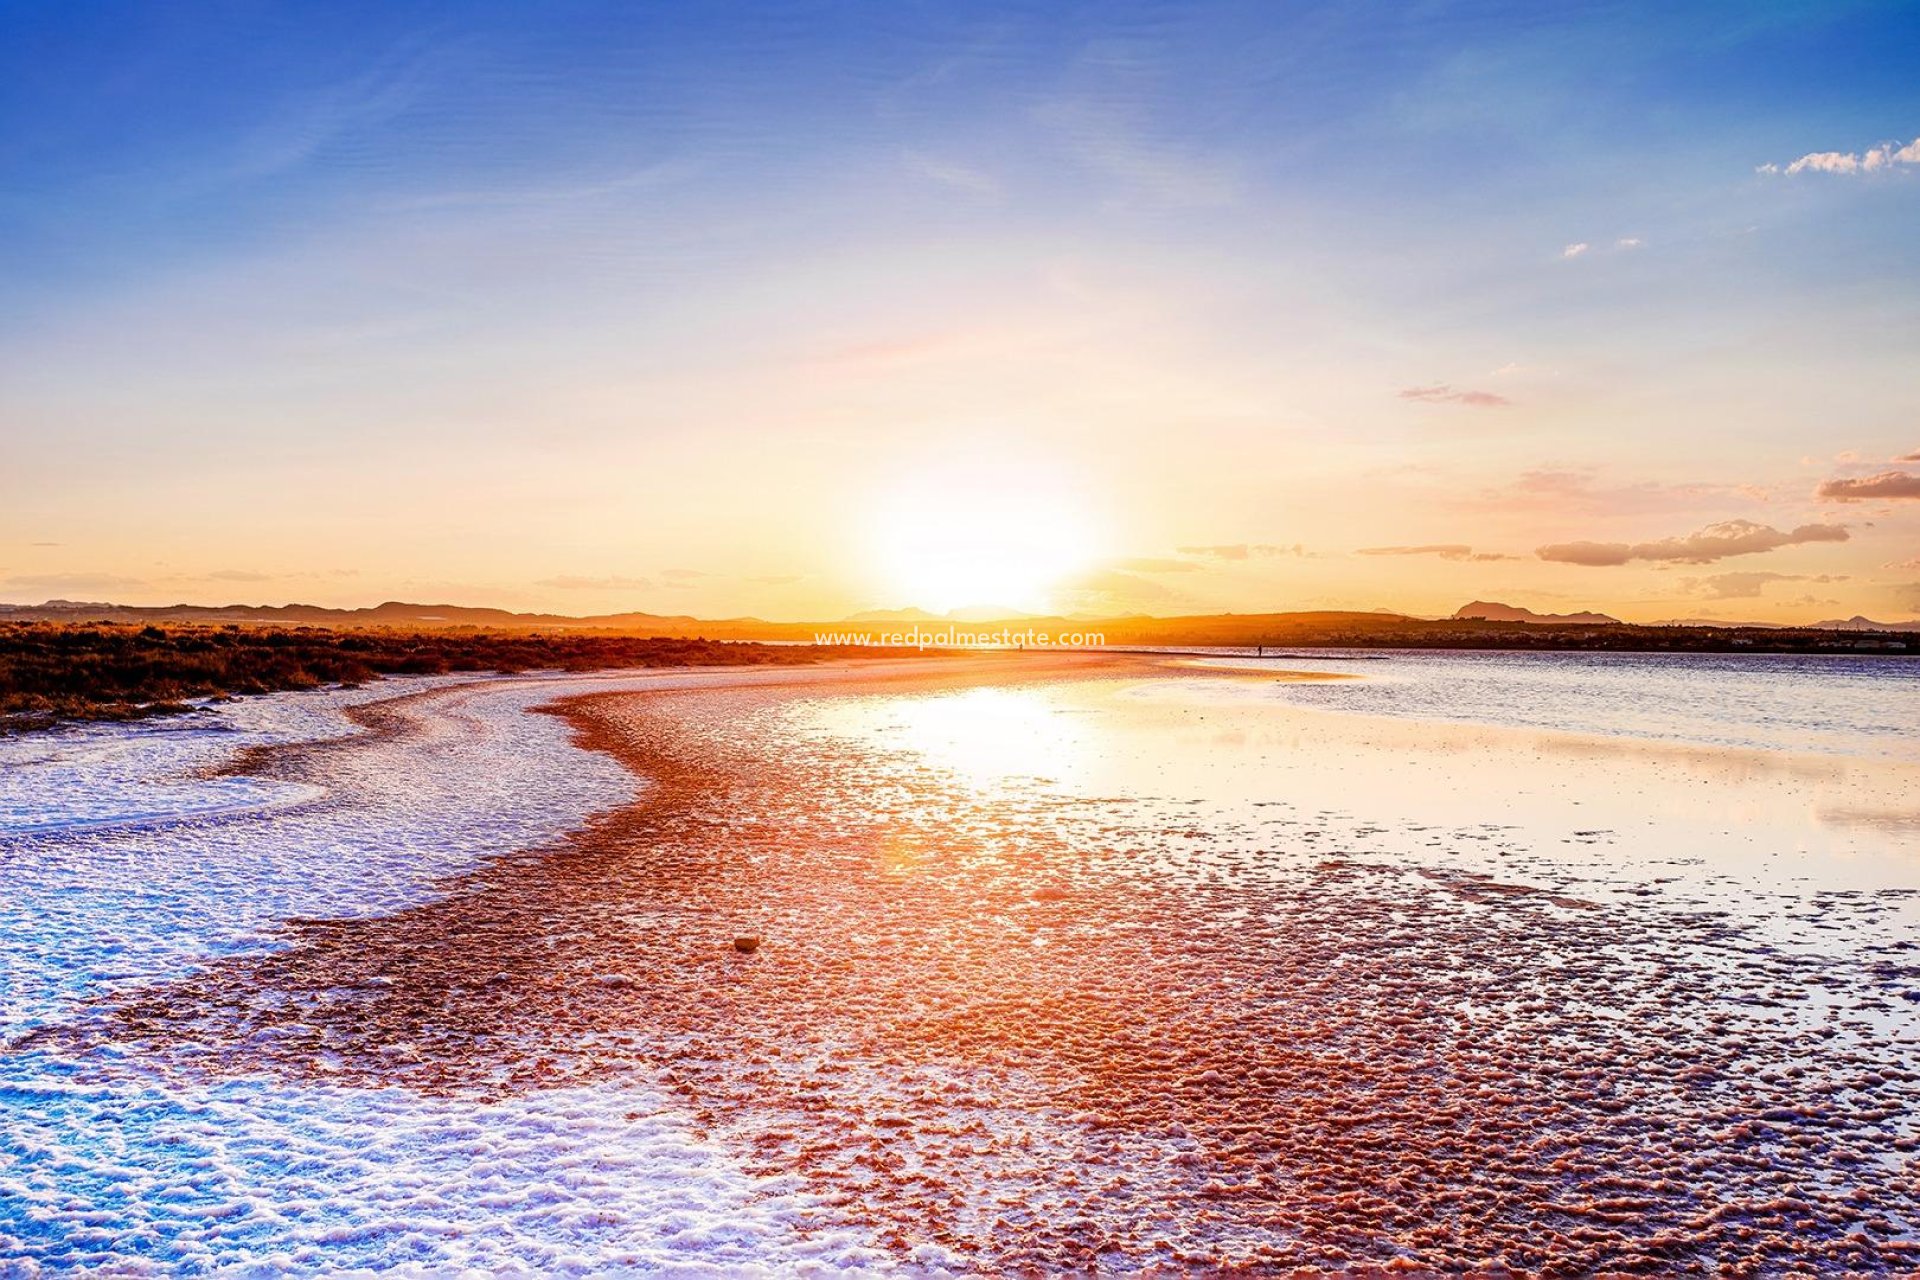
(1058, 964)
(1843, 705)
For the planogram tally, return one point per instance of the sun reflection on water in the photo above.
(986, 737)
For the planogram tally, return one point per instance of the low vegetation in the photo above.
(1359, 631)
(50, 672)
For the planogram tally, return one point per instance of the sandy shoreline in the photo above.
(977, 1031)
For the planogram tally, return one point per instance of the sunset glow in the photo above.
(1320, 307)
(969, 540)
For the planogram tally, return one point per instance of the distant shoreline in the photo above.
(54, 673)
(1475, 626)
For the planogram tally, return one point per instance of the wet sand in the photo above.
(998, 1024)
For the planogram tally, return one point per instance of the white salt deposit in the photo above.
(124, 864)
(264, 1177)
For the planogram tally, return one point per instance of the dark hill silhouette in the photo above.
(1482, 625)
(1860, 623)
(392, 613)
(1489, 611)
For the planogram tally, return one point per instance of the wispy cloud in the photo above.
(1715, 542)
(1114, 142)
(1244, 550)
(1748, 586)
(1441, 393)
(947, 173)
(1885, 484)
(307, 123)
(611, 582)
(1154, 564)
(75, 581)
(1849, 163)
(1622, 244)
(1570, 490)
(625, 182)
(1444, 550)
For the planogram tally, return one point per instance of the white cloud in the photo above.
(1581, 248)
(1848, 163)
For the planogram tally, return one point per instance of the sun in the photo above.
(960, 538)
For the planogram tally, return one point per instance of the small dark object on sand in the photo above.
(747, 943)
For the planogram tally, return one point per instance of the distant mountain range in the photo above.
(1489, 611)
(1477, 624)
(1228, 629)
(1718, 622)
(1858, 623)
(1855, 623)
(393, 613)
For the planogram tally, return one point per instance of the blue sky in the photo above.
(656, 301)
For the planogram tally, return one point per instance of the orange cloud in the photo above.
(1445, 550)
(1243, 550)
(1715, 542)
(1444, 394)
(1748, 586)
(1885, 484)
(1563, 491)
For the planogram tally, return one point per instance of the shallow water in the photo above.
(1857, 706)
(1160, 966)
(1613, 805)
